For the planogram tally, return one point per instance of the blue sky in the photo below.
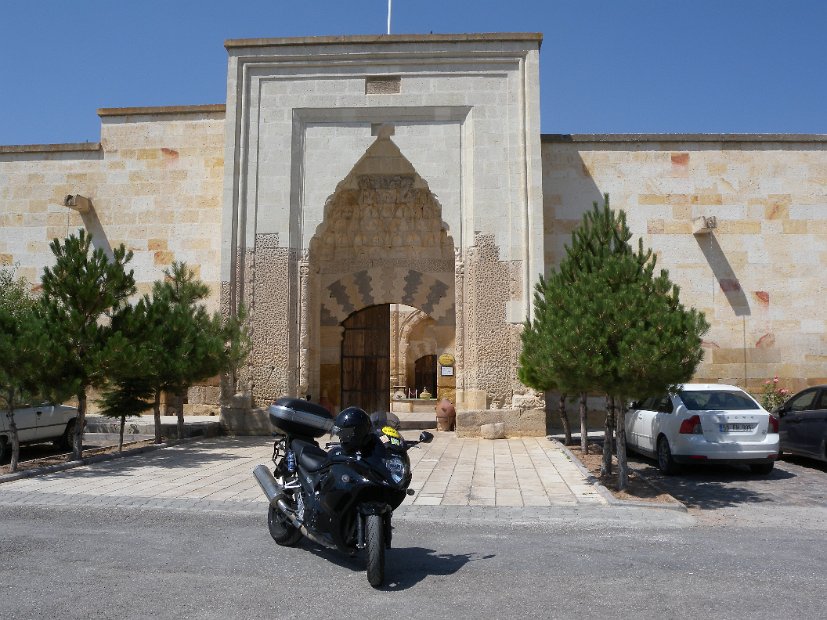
(607, 66)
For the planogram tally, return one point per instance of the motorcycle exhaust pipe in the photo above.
(272, 489)
(275, 495)
(319, 540)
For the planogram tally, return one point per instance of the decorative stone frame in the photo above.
(282, 91)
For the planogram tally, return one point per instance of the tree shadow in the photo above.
(709, 487)
(187, 455)
(404, 566)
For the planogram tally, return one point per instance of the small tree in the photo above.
(553, 355)
(125, 397)
(22, 353)
(614, 327)
(534, 370)
(81, 293)
(175, 343)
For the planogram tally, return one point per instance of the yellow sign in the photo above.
(446, 359)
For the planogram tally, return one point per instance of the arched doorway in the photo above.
(382, 241)
(425, 374)
(365, 359)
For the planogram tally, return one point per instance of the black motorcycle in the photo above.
(341, 497)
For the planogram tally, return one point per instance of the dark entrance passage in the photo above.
(425, 374)
(366, 359)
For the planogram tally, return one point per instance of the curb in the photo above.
(89, 460)
(607, 495)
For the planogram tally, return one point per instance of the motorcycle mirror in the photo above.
(425, 437)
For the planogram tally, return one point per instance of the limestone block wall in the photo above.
(759, 275)
(155, 182)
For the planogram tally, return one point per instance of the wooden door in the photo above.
(425, 374)
(366, 359)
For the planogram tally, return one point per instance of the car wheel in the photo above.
(762, 468)
(666, 464)
(5, 450)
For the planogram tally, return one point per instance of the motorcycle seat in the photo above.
(309, 456)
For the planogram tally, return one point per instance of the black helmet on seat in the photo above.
(353, 427)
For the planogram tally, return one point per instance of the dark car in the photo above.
(802, 423)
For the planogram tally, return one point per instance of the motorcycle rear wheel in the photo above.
(375, 547)
(281, 529)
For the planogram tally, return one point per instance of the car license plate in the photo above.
(736, 428)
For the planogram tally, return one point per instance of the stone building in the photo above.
(384, 206)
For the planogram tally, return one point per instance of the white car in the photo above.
(46, 422)
(703, 423)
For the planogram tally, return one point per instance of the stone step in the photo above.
(210, 426)
(194, 426)
(417, 421)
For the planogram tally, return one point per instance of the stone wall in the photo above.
(155, 182)
(279, 208)
(758, 275)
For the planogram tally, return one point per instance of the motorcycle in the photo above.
(341, 497)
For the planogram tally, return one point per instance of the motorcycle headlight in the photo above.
(396, 466)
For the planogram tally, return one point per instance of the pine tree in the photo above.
(125, 397)
(23, 355)
(175, 343)
(534, 369)
(607, 324)
(81, 294)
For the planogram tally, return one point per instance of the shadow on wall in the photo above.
(569, 191)
(567, 198)
(99, 239)
(91, 222)
(724, 274)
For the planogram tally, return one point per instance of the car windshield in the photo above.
(716, 399)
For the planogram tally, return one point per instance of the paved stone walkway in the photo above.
(215, 474)
(530, 471)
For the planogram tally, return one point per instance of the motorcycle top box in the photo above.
(298, 417)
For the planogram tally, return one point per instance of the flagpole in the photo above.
(390, 2)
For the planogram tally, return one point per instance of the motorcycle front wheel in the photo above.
(375, 547)
(281, 529)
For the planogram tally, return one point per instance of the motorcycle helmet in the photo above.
(353, 427)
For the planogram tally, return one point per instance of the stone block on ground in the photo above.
(493, 431)
(243, 421)
(516, 423)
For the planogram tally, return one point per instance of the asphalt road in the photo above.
(116, 563)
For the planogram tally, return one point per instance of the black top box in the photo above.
(300, 418)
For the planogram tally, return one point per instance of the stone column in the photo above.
(489, 354)
(304, 327)
(270, 320)
(459, 333)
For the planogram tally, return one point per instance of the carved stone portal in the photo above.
(382, 241)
